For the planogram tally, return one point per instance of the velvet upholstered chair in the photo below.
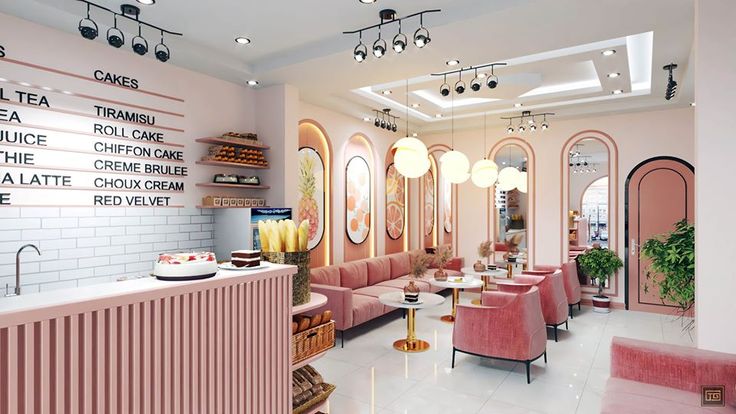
(507, 326)
(551, 293)
(569, 277)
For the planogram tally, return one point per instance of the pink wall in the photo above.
(639, 136)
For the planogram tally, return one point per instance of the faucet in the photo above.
(17, 269)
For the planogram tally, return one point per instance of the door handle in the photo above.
(634, 247)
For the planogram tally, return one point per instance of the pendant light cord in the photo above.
(485, 134)
(452, 120)
(407, 107)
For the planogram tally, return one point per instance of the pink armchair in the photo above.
(649, 377)
(507, 326)
(551, 292)
(569, 277)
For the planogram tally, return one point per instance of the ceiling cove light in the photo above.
(253, 82)
(147, 2)
(475, 84)
(614, 75)
(115, 37)
(399, 42)
(608, 52)
(242, 40)
(452, 62)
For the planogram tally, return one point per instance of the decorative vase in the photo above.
(300, 281)
(411, 292)
(440, 275)
(601, 304)
(479, 267)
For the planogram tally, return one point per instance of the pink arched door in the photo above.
(659, 193)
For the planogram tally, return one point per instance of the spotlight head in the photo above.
(671, 90)
(162, 52)
(475, 85)
(377, 122)
(571, 164)
(492, 81)
(445, 89)
(459, 87)
(88, 28)
(521, 128)
(115, 37)
(510, 130)
(379, 48)
(532, 127)
(394, 127)
(544, 126)
(399, 43)
(383, 123)
(140, 45)
(360, 52)
(421, 37)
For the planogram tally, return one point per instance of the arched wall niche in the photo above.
(396, 233)
(360, 146)
(531, 194)
(446, 205)
(314, 142)
(613, 203)
(427, 233)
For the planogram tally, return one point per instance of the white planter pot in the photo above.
(601, 304)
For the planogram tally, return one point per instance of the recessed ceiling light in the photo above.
(517, 105)
(386, 92)
(24, 83)
(614, 75)
(46, 88)
(617, 92)
(692, 103)
(67, 93)
(608, 52)
(366, 119)
(367, 1)
(452, 62)
(3, 80)
(438, 116)
(146, 2)
(415, 105)
(242, 40)
(414, 134)
(253, 82)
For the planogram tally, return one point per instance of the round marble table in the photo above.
(396, 300)
(510, 265)
(486, 276)
(456, 283)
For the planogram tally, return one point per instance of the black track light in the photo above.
(532, 127)
(383, 123)
(377, 122)
(460, 85)
(379, 46)
(445, 88)
(87, 27)
(492, 81)
(115, 36)
(400, 41)
(361, 51)
(671, 83)
(394, 127)
(521, 128)
(140, 45)
(162, 51)
(545, 126)
(421, 36)
(475, 83)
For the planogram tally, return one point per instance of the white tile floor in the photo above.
(373, 378)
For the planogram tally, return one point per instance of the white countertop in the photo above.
(122, 292)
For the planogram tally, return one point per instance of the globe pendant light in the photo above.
(522, 185)
(454, 165)
(508, 178)
(411, 157)
(485, 171)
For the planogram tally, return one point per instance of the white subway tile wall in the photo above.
(84, 246)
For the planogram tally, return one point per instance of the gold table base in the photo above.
(455, 301)
(411, 343)
(486, 281)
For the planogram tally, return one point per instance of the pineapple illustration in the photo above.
(307, 209)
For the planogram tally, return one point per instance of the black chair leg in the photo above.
(569, 311)
(545, 357)
(578, 305)
(566, 328)
(404, 314)
(342, 339)
(528, 376)
(555, 333)
(453, 357)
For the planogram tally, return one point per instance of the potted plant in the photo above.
(419, 266)
(484, 252)
(600, 264)
(442, 255)
(673, 267)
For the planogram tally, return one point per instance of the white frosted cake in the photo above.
(185, 266)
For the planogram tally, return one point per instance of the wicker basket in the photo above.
(328, 388)
(312, 341)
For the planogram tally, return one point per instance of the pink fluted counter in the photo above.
(219, 345)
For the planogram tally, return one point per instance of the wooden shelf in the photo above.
(242, 186)
(232, 165)
(309, 360)
(216, 208)
(315, 301)
(224, 141)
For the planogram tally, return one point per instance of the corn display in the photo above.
(283, 236)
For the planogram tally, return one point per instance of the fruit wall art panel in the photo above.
(447, 204)
(395, 205)
(311, 187)
(357, 200)
(428, 203)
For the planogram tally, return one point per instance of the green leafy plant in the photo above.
(673, 265)
(600, 264)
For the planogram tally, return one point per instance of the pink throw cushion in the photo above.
(354, 275)
(379, 269)
(400, 264)
(326, 275)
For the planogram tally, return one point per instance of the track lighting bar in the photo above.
(469, 68)
(400, 40)
(381, 120)
(389, 21)
(135, 19)
(475, 84)
(531, 121)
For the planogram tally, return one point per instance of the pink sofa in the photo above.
(353, 288)
(551, 292)
(649, 377)
(508, 326)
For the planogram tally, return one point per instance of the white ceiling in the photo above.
(548, 43)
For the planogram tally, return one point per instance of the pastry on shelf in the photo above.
(226, 179)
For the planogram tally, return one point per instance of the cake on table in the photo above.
(245, 258)
(185, 266)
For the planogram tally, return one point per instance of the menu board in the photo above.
(93, 137)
